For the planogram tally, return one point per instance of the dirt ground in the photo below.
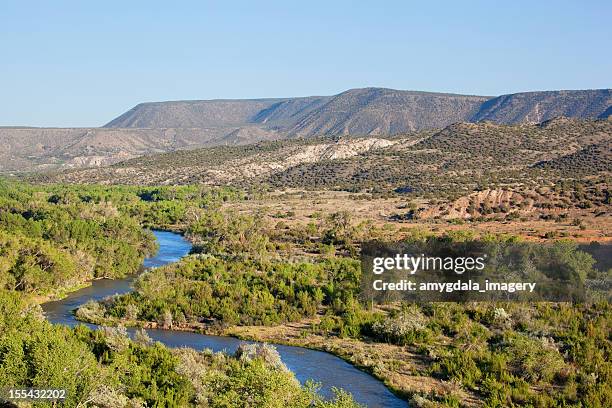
(302, 207)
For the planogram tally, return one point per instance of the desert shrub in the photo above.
(534, 359)
(407, 326)
(460, 366)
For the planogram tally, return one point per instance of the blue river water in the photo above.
(321, 367)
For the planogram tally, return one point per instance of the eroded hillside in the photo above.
(225, 164)
(456, 160)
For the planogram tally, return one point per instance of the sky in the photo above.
(82, 63)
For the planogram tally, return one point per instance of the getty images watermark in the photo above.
(440, 270)
(458, 265)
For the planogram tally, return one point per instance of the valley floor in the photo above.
(298, 207)
(284, 267)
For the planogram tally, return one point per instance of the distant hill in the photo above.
(218, 113)
(40, 149)
(289, 111)
(457, 158)
(606, 114)
(192, 114)
(379, 111)
(537, 107)
(367, 111)
(168, 126)
(462, 157)
(592, 158)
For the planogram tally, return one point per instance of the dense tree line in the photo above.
(52, 239)
(57, 237)
(228, 292)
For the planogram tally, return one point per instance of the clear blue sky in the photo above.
(82, 63)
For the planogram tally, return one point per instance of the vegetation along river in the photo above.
(324, 368)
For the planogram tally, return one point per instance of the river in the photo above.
(324, 368)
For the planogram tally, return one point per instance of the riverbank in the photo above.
(324, 368)
(400, 368)
(61, 293)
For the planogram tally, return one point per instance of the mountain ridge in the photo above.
(377, 111)
(155, 127)
(368, 110)
(539, 106)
